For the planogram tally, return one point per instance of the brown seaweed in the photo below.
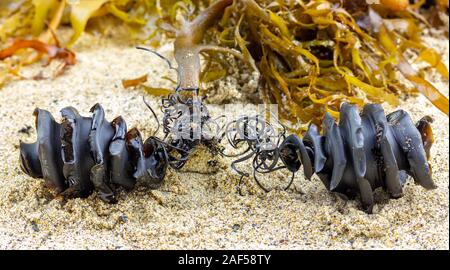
(53, 51)
(313, 55)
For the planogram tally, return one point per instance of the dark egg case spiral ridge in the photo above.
(83, 154)
(363, 152)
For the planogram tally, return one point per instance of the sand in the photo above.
(197, 210)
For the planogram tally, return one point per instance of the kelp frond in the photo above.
(315, 55)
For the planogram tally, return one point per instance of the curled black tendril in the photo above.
(261, 141)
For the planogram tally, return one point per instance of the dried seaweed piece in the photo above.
(354, 157)
(135, 82)
(395, 5)
(52, 51)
